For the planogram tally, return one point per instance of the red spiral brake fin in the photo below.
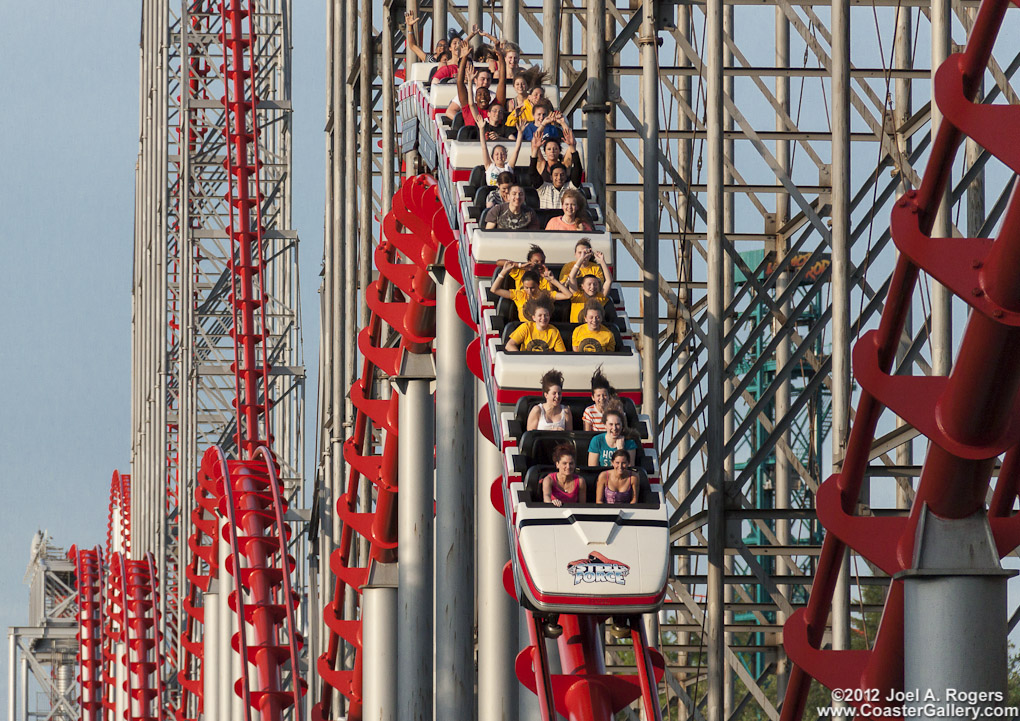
(962, 265)
(89, 574)
(474, 358)
(485, 424)
(496, 496)
(464, 309)
(414, 206)
(983, 123)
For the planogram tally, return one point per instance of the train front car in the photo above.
(568, 557)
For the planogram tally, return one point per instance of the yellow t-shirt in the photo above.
(518, 273)
(589, 269)
(519, 297)
(529, 338)
(521, 115)
(587, 341)
(577, 301)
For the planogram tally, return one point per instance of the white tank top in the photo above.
(544, 424)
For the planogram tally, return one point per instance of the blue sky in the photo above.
(68, 141)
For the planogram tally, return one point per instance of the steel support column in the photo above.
(340, 276)
(455, 509)
(12, 676)
(439, 20)
(841, 230)
(229, 667)
(475, 18)
(329, 402)
(946, 645)
(784, 564)
(414, 534)
(597, 105)
(714, 628)
(497, 610)
(551, 39)
(976, 189)
(379, 640)
(650, 226)
(212, 676)
(941, 298)
(511, 21)
(902, 110)
(389, 110)
(23, 691)
(366, 150)
(350, 235)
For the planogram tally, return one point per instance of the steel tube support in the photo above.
(976, 189)
(941, 297)
(902, 110)
(497, 610)
(841, 230)
(529, 705)
(212, 676)
(350, 231)
(23, 690)
(551, 39)
(714, 627)
(947, 647)
(511, 21)
(339, 277)
(227, 621)
(581, 653)
(455, 510)
(475, 18)
(597, 106)
(782, 402)
(414, 534)
(365, 170)
(379, 639)
(439, 14)
(650, 243)
(12, 675)
(389, 110)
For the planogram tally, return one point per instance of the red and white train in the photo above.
(574, 557)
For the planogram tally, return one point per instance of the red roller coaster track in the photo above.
(88, 570)
(584, 691)
(969, 416)
(246, 492)
(416, 208)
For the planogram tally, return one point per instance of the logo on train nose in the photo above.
(596, 568)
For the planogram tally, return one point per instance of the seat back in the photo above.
(538, 446)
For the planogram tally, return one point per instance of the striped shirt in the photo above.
(592, 416)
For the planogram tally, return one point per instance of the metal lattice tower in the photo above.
(45, 648)
(183, 392)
